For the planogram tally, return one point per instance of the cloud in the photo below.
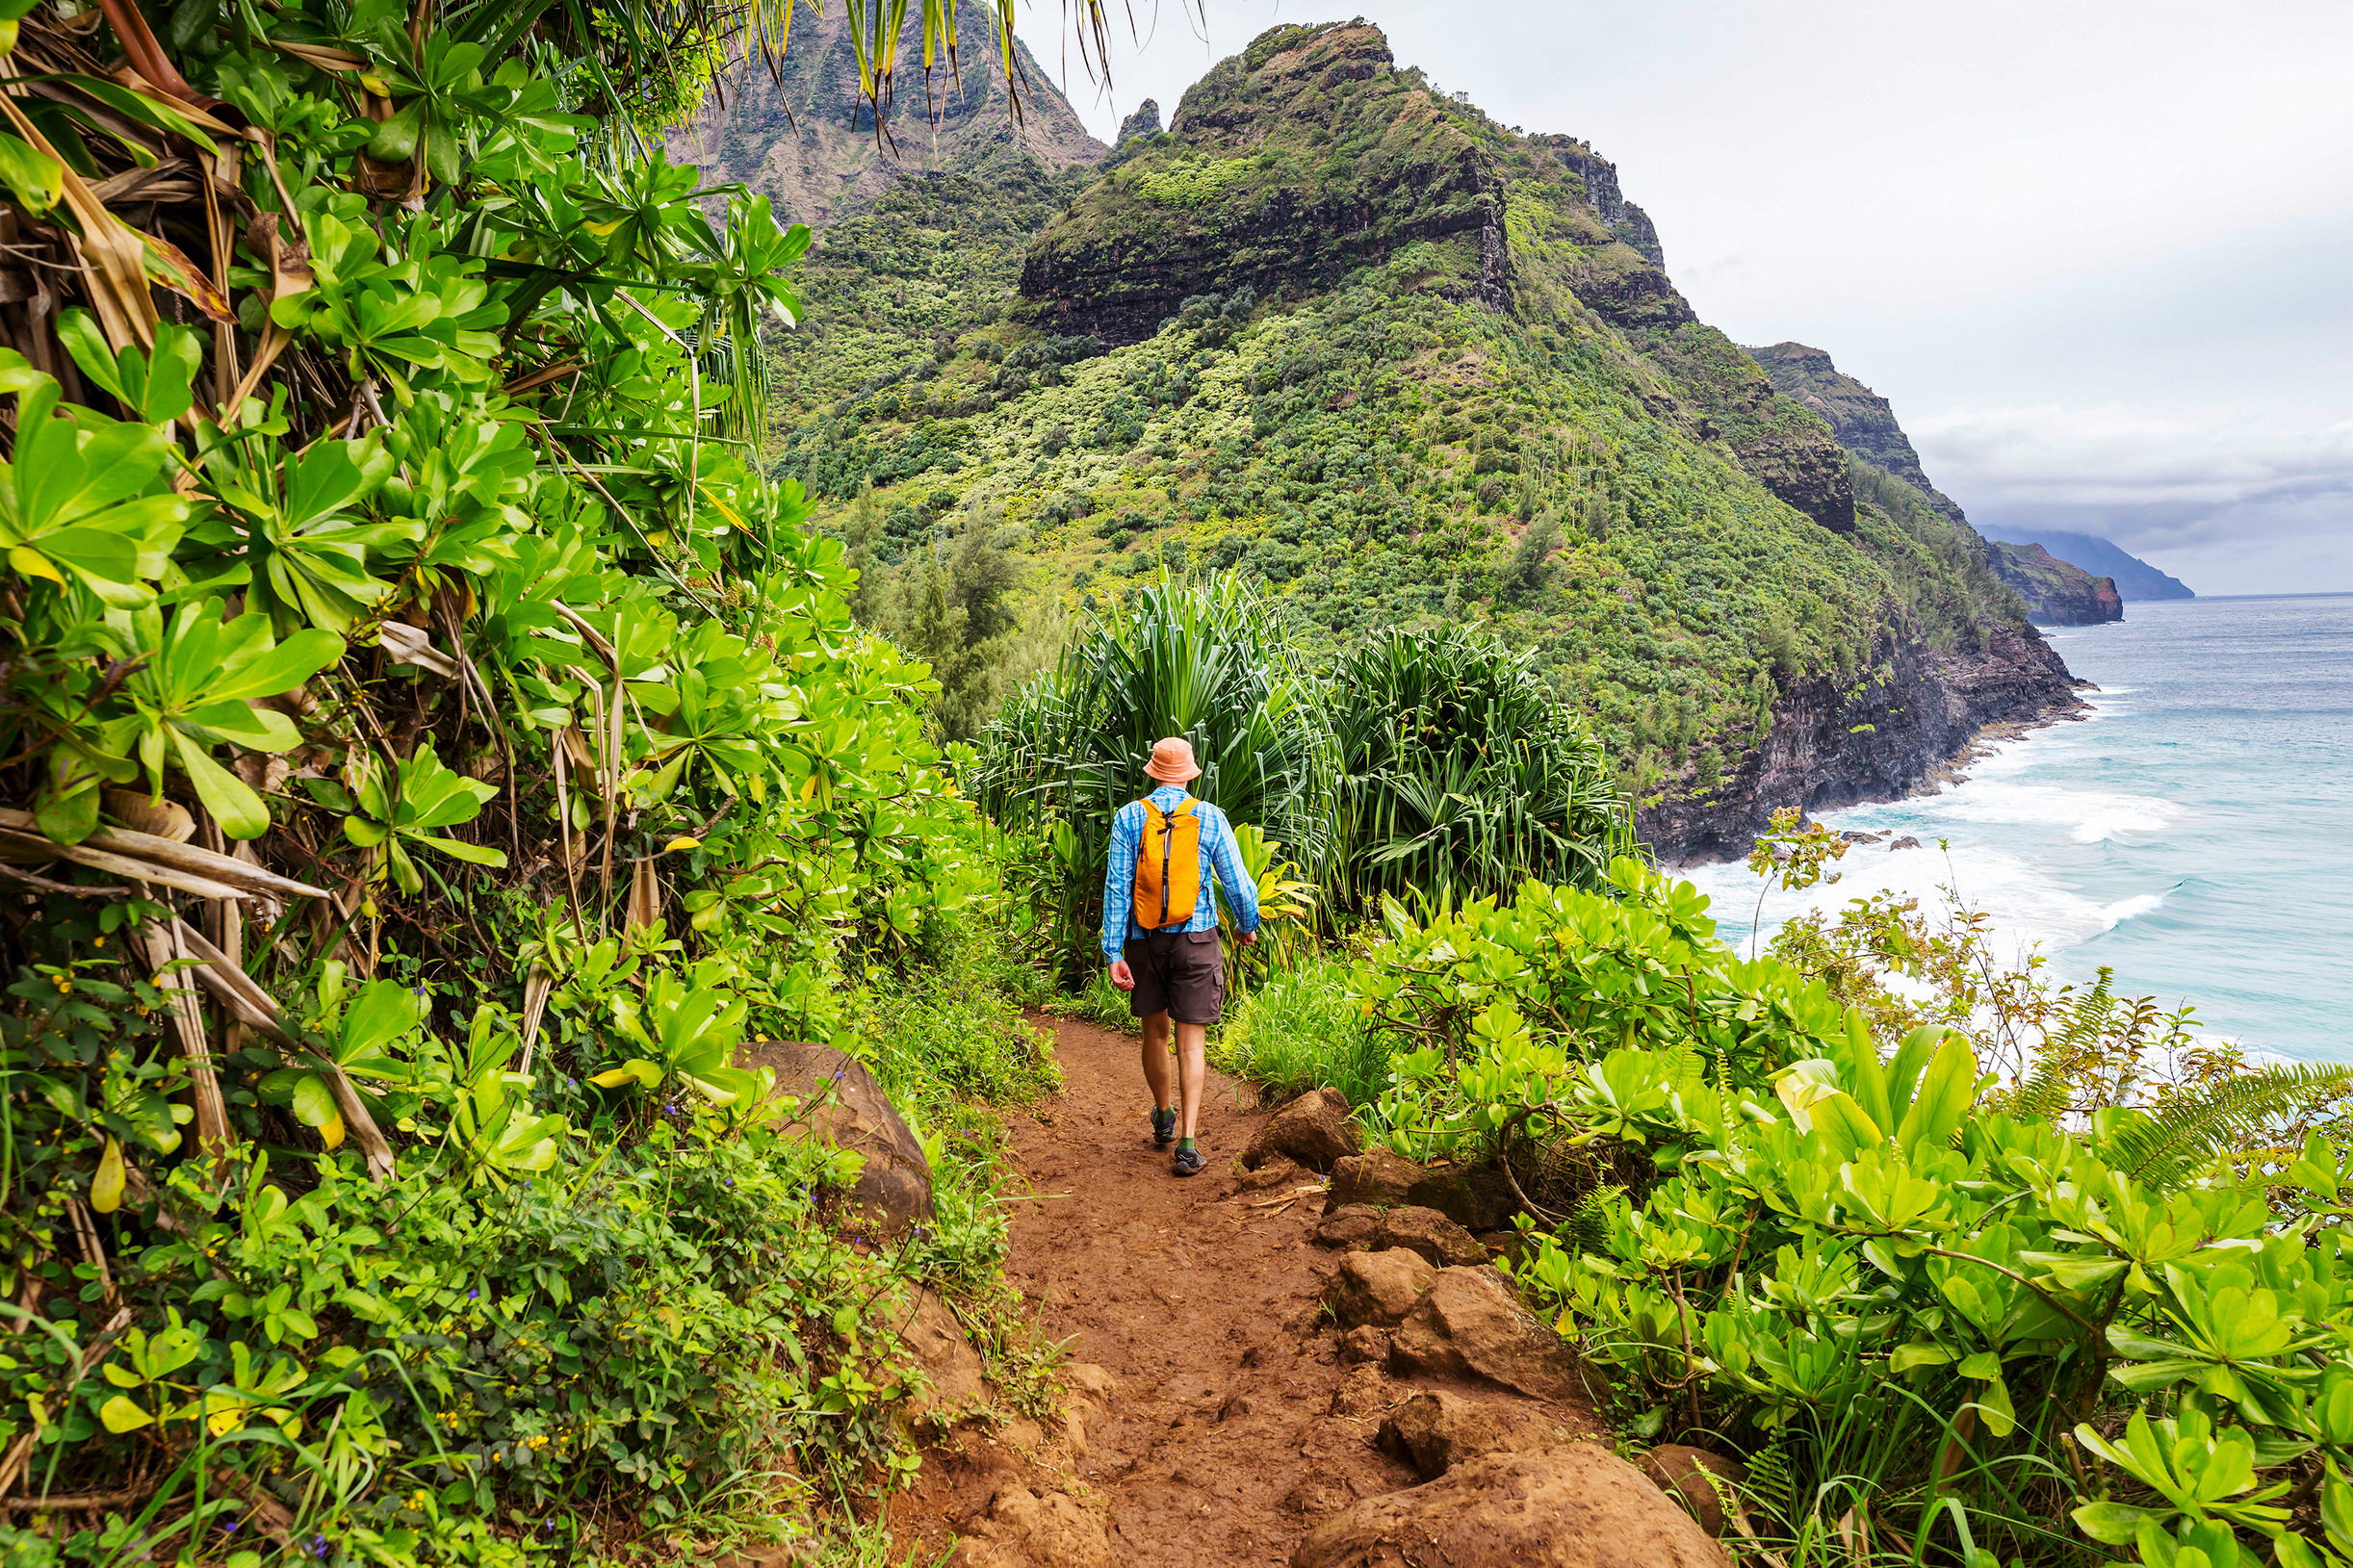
(2256, 503)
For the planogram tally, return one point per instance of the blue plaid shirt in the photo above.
(1219, 854)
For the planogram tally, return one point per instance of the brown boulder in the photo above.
(1350, 1226)
(1435, 1431)
(1469, 1324)
(1430, 1233)
(1023, 1530)
(1378, 1287)
(937, 1345)
(1379, 1177)
(841, 1104)
(1314, 1129)
(1577, 1505)
(1474, 1197)
(1280, 1171)
(1701, 1480)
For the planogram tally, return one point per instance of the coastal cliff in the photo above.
(2055, 592)
(1345, 335)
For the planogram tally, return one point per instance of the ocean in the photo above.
(2195, 833)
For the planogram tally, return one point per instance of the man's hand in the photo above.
(1122, 975)
(1249, 939)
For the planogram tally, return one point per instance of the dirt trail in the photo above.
(1222, 1442)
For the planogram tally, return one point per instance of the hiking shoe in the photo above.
(1188, 1163)
(1164, 1128)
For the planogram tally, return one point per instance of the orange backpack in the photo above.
(1168, 865)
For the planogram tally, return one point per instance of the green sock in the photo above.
(1183, 1145)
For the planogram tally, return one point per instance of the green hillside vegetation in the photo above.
(439, 769)
(1586, 469)
(2056, 592)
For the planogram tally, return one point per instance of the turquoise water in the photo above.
(2195, 833)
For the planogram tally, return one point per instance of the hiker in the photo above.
(1160, 933)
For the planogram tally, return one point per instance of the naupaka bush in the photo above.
(1919, 1301)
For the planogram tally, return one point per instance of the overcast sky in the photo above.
(2099, 255)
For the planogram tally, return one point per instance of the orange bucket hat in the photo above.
(1173, 761)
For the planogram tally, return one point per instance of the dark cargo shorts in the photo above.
(1181, 973)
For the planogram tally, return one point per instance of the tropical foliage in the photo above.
(1940, 1310)
(1460, 774)
(435, 749)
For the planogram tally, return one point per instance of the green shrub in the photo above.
(1922, 1303)
(1459, 774)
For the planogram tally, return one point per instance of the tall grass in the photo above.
(1301, 1029)
(1459, 774)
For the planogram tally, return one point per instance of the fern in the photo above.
(2195, 1129)
(1587, 1229)
(1770, 1485)
(2044, 1095)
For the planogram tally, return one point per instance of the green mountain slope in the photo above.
(2055, 592)
(1352, 338)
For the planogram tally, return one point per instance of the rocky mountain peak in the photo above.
(806, 140)
(1145, 122)
(1285, 167)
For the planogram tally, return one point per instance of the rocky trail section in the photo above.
(1256, 1381)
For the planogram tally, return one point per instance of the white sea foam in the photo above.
(2088, 815)
(2029, 909)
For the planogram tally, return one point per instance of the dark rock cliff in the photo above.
(1830, 748)
(2056, 592)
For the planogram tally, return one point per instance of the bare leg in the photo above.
(1192, 1073)
(1156, 1060)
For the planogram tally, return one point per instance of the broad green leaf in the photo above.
(1947, 1090)
(314, 1102)
(1920, 1353)
(121, 1415)
(34, 178)
(2114, 1522)
(238, 809)
(457, 849)
(383, 1010)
